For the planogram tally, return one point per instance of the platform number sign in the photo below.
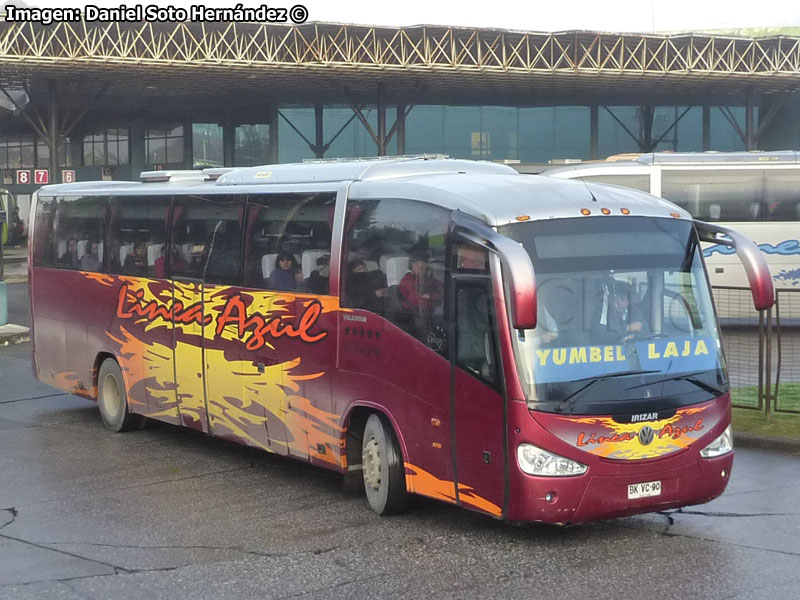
(68, 176)
(42, 176)
(23, 177)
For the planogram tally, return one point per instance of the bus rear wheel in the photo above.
(383, 469)
(113, 399)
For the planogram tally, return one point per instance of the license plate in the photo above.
(644, 490)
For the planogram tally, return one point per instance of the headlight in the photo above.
(535, 461)
(722, 445)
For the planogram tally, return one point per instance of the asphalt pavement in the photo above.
(169, 513)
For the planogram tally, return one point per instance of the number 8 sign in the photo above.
(23, 177)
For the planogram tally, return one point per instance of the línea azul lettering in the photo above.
(235, 313)
(132, 304)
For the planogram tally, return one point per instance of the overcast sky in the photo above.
(528, 15)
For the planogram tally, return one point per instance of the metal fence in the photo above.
(762, 349)
(786, 390)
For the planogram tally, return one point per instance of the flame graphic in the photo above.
(632, 449)
(69, 381)
(107, 280)
(237, 399)
(420, 481)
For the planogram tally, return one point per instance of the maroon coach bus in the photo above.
(381, 318)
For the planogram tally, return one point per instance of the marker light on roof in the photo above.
(676, 215)
(585, 211)
(524, 218)
(605, 211)
(625, 211)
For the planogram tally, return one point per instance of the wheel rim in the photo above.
(111, 397)
(371, 459)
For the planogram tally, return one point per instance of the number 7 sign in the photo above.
(42, 176)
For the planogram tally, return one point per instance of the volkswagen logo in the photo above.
(646, 435)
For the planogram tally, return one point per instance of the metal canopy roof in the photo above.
(132, 66)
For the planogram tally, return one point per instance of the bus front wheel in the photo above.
(382, 464)
(113, 399)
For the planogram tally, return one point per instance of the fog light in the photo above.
(550, 497)
(724, 473)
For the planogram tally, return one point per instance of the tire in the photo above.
(113, 399)
(383, 469)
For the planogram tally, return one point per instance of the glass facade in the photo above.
(106, 148)
(497, 133)
(533, 135)
(164, 145)
(21, 152)
(207, 146)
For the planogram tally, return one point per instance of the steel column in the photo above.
(319, 135)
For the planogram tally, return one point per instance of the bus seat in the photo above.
(396, 267)
(384, 258)
(309, 260)
(268, 264)
(371, 265)
(100, 252)
(82, 248)
(124, 251)
(153, 252)
(62, 248)
(186, 251)
(714, 211)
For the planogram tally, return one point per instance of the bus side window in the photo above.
(44, 241)
(206, 240)
(475, 348)
(136, 224)
(79, 226)
(288, 242)
(782, 194)
(405, 239)
(716, 194)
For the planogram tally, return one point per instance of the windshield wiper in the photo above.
(690, 377)
(591, 381)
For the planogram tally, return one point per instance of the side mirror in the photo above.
(517, 267)
(755, 265)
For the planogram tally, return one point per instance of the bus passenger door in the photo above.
(477, 397)
(188, 343)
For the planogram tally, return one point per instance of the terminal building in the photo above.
(89, 101)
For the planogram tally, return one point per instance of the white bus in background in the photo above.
(757, 193)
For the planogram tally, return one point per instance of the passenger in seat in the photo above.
(286, 273)
(419, 291)
(90, 261)
(136, 262)
(365, 289)
(318, 280)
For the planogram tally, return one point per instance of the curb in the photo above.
(766, 442)
(14, 334)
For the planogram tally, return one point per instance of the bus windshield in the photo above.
(625, 318)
